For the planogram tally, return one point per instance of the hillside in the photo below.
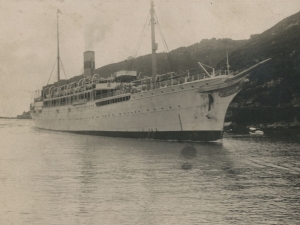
(24, 115)
(210, 52)
(278, 82)
(273, 93)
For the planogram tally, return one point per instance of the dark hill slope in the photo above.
(207, 51)
(273, 93)
(276, 83)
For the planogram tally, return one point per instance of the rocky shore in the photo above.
(268, 119)
(24, 115)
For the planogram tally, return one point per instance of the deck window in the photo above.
(112, 101)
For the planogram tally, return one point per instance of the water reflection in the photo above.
(79, 179)
(87, 180)
(188, 152)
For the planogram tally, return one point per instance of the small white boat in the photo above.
(226, 124)
(255, 131)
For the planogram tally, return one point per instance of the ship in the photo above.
(181, 106)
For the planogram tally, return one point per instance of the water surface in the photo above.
(51, 177)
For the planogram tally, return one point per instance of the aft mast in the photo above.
(154, 45)
(58, 58)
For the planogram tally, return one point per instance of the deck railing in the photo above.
(141, 86)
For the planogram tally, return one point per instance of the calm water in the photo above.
(60, 178)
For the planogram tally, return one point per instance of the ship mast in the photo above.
(154, 45)
(58, 58)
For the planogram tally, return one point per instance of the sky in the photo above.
(114, 30)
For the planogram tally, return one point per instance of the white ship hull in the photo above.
(180, 112)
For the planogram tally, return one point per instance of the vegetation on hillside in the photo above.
(24, 115)
(210, 52)
(276, 83)
(273, 93)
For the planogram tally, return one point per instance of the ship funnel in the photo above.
(89, 63)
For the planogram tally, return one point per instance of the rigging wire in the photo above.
(62, 65)
(168, 53)
(163, 38)
(51, 72)
(165, 44)
(140, 40)
(142, 35)
(69, 60)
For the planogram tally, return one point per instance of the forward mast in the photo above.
(154, 45)
(58, 58)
